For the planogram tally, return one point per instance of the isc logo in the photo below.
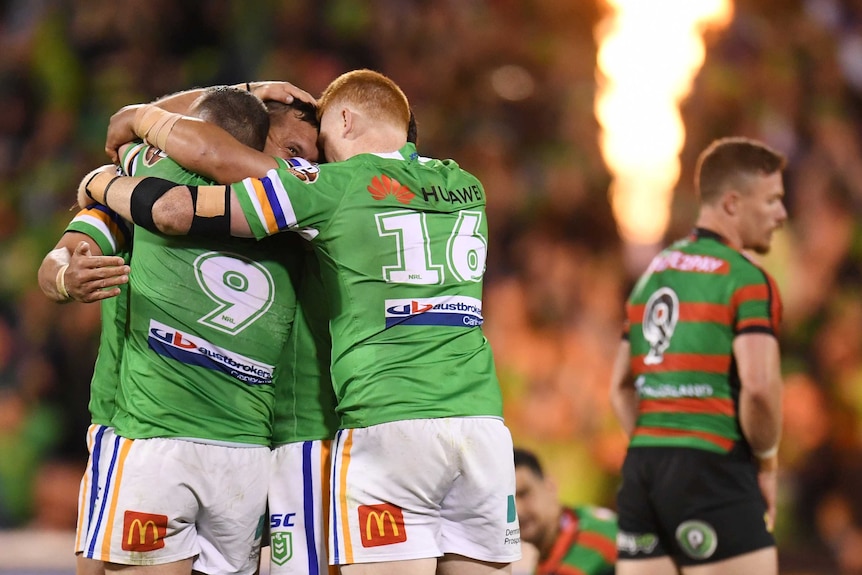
(277, 520)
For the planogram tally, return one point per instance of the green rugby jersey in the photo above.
(402, 243)
(683, 315)
(304, 399)
(113, 236)
(208, 321)
(586, 545)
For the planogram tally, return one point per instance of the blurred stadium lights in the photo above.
(648, 55)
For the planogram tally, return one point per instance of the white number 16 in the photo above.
(466, 248)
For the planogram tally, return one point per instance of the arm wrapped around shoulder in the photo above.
(97, 180)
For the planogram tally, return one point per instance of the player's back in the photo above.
(684, 313)
(208, 320)
(402, 243)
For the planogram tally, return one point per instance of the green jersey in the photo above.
(683, 314)
(304, 399)
(208, 320)
(586, 545)
(113, 236)
(402, 243)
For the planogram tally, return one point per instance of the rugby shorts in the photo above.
(423, 488)
(299, 498)
(163, 500)
(693, 505)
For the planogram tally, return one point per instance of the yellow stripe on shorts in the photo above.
(109, 527)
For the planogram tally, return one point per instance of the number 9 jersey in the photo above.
(208, 321)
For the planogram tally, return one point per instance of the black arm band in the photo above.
(208, 224)
(144, 196)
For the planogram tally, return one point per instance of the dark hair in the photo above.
(305, 111)
(412, 129)
(528, 459)
(729, 161)
(238, 112)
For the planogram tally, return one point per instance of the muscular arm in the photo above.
(219, 160)
(757, 359)
(269, 90)
(172, 210)
(624, 397)
(198, 146)
(88, 272)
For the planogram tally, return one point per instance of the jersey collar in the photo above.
(408, 153)
(703, 234)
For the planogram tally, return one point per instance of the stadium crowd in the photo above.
(507, 88)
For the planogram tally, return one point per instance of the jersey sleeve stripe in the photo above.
(683, 362)
(724, 443)
(131, 155)
(709, 405)
(605, 547)
(761, 322)
(749, 293)
(100, 228)
(266, 213)
(281, 199)
(247, 195)
(274, 202)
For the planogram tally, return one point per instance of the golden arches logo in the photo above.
(381, 524)
(144, 531)
(379, 518)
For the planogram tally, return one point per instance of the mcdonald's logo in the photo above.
(144, 531)
(381, 524)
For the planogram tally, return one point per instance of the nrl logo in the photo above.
(281, 547)
(303, 170)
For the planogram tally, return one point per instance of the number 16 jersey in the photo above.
(402, 242)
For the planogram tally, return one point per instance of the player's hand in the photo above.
(121, 131)
(84, 200)
(88, 276)
(280, 92)
(767, 479)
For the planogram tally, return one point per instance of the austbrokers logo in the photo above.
(381, 524)
(144, 531)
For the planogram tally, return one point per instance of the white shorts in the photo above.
(423, 488)
(299, 499)
(164, 500)
(100, 439)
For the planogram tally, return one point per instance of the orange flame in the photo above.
(649, 53)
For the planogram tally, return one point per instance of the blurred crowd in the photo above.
(507, 88)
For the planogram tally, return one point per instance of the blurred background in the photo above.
(521, 93)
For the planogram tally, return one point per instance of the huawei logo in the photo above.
(382, 186)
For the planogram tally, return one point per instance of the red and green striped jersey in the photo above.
(586, 545)
(683, 314)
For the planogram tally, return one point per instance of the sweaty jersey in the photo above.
(304, 399)
(208, 320)
(684, 312)
(402, 242)
(586, 545)
(113, 236)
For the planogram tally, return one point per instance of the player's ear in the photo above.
(348, 120)
(730, 202)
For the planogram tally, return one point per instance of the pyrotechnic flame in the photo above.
(649, 53)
